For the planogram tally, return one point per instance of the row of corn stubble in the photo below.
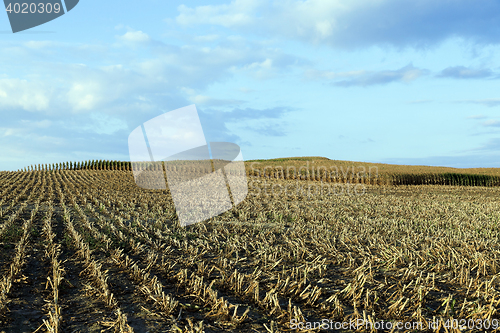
(404, 254)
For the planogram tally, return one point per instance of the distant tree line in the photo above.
(86, 165)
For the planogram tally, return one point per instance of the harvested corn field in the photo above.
(89, 251)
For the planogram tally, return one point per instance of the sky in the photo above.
(410, 82)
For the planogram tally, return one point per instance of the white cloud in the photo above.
(206, 38)
(209, 101)
(315, 19)
(314, 74)
(36, 124)
(238, 13)
(39, 44)
(491, 122)
(491, 102)
(199, 99)
(354, 23)
(9, 131)
(266, 64)
(461, 72)
(324, 28)
(84, 95)
(367, 78)
(262, 69)
(135, 37)
(479, 116)
(76, 88)
(30, 96)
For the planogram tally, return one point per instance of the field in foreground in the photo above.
(87, 251)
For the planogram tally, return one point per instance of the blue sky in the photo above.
(393, 81)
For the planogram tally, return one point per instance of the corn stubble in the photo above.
(401, 253)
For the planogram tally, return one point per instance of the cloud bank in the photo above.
(355, 23)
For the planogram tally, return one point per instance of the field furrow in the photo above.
(89, 251)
